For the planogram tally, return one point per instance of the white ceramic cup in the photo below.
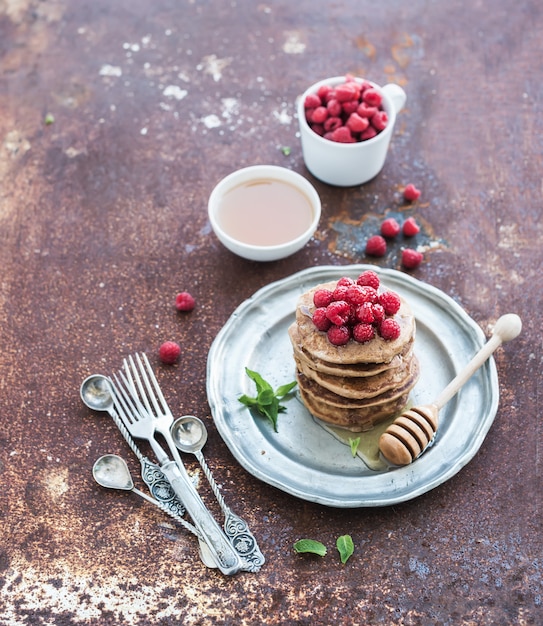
(262, 173)
(348, 164)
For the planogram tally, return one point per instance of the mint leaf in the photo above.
(260, 383)
(354, 443)
(282, 391)
(311, 546)
(345, 547)
(266, 402)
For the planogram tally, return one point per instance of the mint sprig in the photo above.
(267, 399)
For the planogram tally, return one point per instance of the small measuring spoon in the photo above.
(111, 471)
(96, 393)
(190, 435)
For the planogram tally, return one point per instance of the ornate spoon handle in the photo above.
(235, 527)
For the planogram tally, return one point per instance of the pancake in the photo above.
(355, 385)
(360, 387)
(378, 350)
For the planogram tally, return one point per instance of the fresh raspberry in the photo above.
(411, 258)
(338, 335)
(184, 301)
(390, 301)
(368, 278)
(339, 293)
(411, 193)
(347, 91)
(365, 110)
(334, 108)
(363, 333)
(338, 312)
(323, 91)
(380, 120)
(367, 294)
(320, 115)
(378, 313)
(350, 107)
(322, 297)
(376, 246)
(355, 295)
(369, 133)
(372, 97)
(345, 281)
(410, 227)
(364, 313)
(320, 319)
(332, 124)
(169, 352)
(318, 128)
(312, 101)
(390, 227)
(342, 135)
(389, 329)
(356, 123)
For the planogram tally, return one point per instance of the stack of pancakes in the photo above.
(356, 385)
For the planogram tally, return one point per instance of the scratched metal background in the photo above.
(103, 220)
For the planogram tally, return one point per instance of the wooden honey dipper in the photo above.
(411, 433)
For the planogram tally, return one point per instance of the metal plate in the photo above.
(302, 458)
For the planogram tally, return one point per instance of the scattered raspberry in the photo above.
(376, 246)
(390, 228)
(338, 335)
(322, 297)
(390, 301)
(410, 227)
(169, 352)
(411, 258)
(411, 193)
(363, 333)
(184, 301)
(364, 313)
(368, 279)
(338, 312)
(321, 320)
(389, 329)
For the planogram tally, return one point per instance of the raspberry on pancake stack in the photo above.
(353, 348)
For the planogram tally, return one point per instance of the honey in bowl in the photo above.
(265, 212)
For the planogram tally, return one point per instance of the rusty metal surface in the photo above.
(103, 220)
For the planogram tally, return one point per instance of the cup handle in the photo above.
(396, 94)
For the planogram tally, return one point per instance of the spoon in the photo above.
(413, 431)
(190, 435)
(96, 393)
(111, 471)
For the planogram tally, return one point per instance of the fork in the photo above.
(145, 386)
(142, 424)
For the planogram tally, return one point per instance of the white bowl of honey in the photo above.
(264, 212)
